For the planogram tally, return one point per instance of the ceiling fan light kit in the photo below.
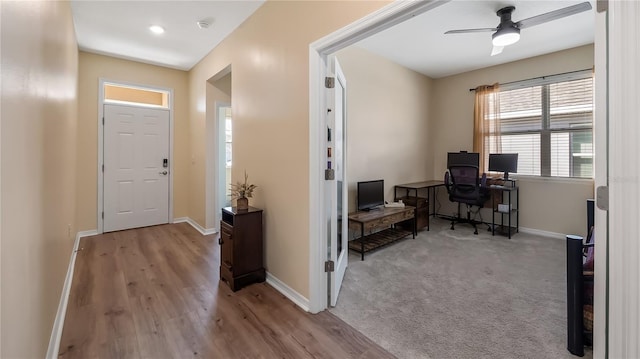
(506, 36)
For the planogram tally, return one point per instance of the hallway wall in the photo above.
(39, 61)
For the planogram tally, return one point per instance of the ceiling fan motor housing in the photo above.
(505, 18)
(508, 32)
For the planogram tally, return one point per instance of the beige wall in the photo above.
(388, 121)
(269, 54)
(550, 205)
(92, 67)
(39, 120)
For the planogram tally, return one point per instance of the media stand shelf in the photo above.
(380, 218)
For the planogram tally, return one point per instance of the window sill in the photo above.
(563, 180)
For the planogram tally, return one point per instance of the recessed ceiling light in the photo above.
(156, 29)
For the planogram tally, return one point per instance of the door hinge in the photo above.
(329, 82)
(102, 215)
(102, 168)
(602, 197)
(328, 266)
(602, 5)
(329, 174)
(102, 120)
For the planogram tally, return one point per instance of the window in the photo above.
(129, 95)
(549, 125)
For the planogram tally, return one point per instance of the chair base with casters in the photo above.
(465, 186)
(468, 219)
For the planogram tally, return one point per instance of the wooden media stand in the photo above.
(378, 219)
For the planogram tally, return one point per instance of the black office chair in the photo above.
(465, 186)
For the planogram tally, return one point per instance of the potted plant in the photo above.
(242, 192)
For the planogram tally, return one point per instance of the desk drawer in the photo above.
(419, 202)
(389, 220)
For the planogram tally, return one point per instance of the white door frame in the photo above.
(101, 83)
(601, 149)
(212, 156)
(382, 19)
(215, 187)
(623, 309)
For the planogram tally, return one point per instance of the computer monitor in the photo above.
(463, 159)
(503, 162)
(370, 194)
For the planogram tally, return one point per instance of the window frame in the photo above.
(546, 131)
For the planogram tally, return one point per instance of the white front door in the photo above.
(336, 189)
(136, 167)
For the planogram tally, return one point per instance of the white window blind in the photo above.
(549, 124)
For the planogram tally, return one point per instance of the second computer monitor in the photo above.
(503, 162)
(463, 159)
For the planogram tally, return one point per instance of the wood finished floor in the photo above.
(155, 292)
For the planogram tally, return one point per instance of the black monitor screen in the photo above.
(370, 194)
(503, 162)
(463, 159)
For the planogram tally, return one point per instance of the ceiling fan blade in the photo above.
(554, 15)
(496, 50)
(471, 30)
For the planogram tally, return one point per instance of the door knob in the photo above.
(163, 173)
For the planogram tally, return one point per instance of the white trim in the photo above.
(375, 22)
(600, 161)
(216, 165)
(58, 324)
(624, 181)
(297, 298)
(101, 102)
(194, 224)
(212, 158)
(540, 179)
(540, 232)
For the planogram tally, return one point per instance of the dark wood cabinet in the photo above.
(422, 210)
(241, 247)
(420, 195)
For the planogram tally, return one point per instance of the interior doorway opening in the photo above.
(219, 146)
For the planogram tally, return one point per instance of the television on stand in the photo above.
(503, 162)
(370, 195)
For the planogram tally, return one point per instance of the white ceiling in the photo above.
(421, 45)
(120, 29)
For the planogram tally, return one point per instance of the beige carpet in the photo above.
(452, 294)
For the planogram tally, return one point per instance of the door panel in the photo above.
(338, 216)
(136, 185)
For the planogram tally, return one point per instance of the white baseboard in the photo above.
(194, 224)
(58, 324)
(297, 298)
(540, 232)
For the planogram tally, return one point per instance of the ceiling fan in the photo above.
(508, 32)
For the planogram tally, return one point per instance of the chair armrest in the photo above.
(447, 183)
(483, 181)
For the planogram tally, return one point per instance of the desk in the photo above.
(378, 218)
(411, 198)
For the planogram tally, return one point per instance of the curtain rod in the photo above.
(541, 77)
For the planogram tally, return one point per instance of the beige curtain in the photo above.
(486, 125)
